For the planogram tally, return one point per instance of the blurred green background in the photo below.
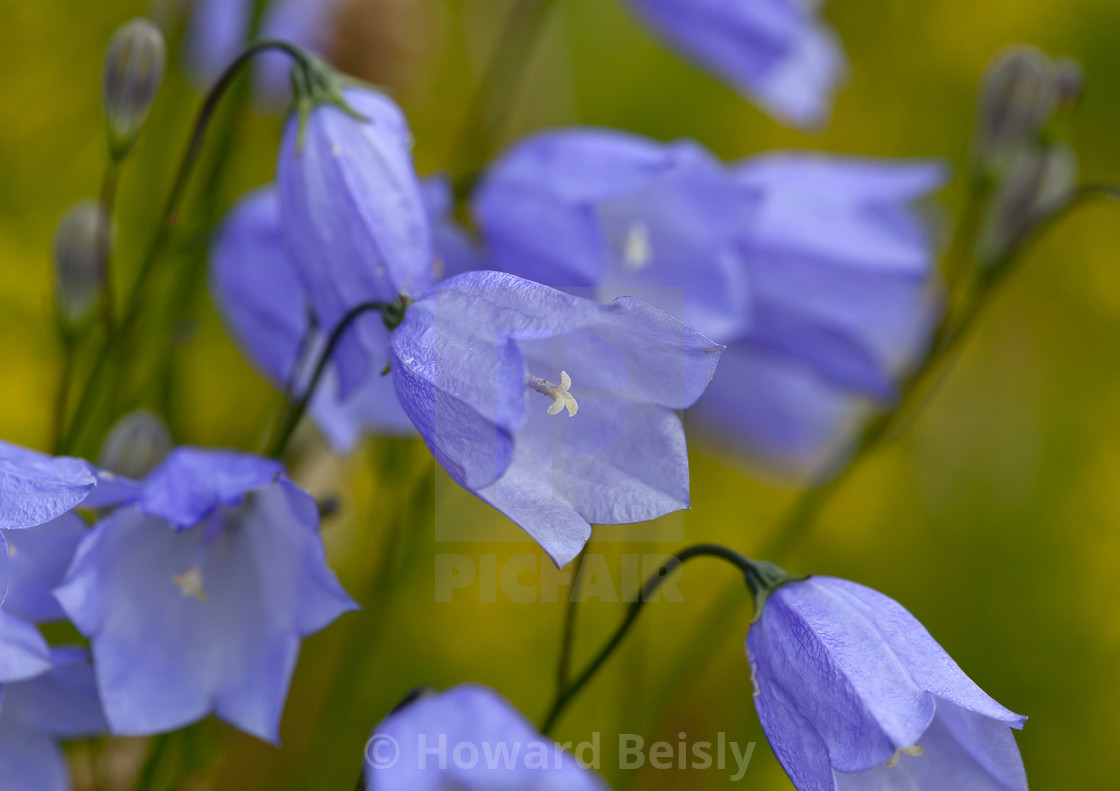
(995, 520)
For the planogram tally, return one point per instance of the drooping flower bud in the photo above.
(1038, 182)
(136, 444)
(82, 241)
(1019, 95)
(134, 65)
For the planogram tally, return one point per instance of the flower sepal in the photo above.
(315, 82)
(763, 578)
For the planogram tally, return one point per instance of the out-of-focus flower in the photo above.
(38, 559)
(36, 488)
(59, 703)
(219, 29)
(354, 220)
(621, 215)
(485, 364)
(814, 270)
(454, 250)
(24, 653)
(777, 52)
(855, 695)
(82, 240)
(134, 64)
(195, 598)
(511, 755)
(255, 285)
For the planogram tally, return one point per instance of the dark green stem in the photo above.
(390, 312)
(761, 578)
(568, 636)
(168, 221)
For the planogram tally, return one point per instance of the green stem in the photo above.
(168, 221)
(568, 636)
(491, 102)
(150, 772)
(761, 579)
(62, 393)
(296, 409)
(108, 201)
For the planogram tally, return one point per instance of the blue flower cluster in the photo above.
(609, 283)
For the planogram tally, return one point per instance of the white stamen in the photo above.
(561, 398)
(913, 751)
(637, 252)
(190, 583)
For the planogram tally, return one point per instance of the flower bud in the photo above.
(1019, 95)
(134, 64)
(136, 444)
(1039, 182)
(82, 242)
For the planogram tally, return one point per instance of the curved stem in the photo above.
(168, 221)
(755, 575)
(296, 409)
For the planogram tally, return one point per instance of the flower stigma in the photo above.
(637, 252)
(561, 397)
(190, 583)
(913, 750)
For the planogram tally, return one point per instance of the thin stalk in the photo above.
(62, 392)
(568, 635)
(751, 571)
(506, 67)
(169, 219)
(296, 409)
(108, 200)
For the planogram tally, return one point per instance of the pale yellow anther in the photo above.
(637, 252)
(12, 550)
(561, 397)
(190, 583)
(913, 750)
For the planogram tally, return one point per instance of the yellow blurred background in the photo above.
(995, 520)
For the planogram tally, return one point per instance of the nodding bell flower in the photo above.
(776, 52)
(354, 218)
(36, 488)
(512, 756)
(196, 596)
(557, 411)
(255, 285)
(855, 695)
(134, 64)
(59, 703)
(82, 241)
(814, 270)
(48, 693)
